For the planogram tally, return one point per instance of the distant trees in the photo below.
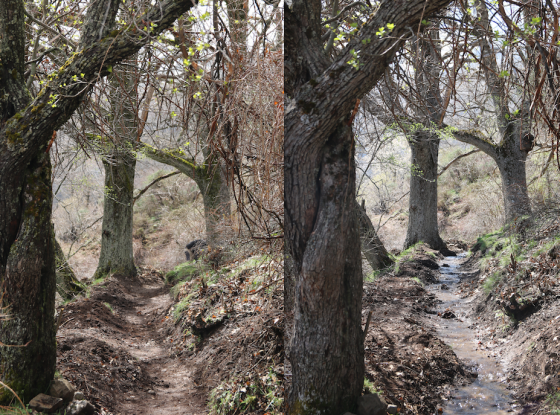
(27, 126)
(323, 281)
(498, 115)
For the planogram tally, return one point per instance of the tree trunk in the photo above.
(67, 285)
(116, 240)
(511, 163)
(29, 280)
(423, 222)
(326, 350)
(27, 250)
(372, 247)
(212, 183)
(217, 203)
(328, 292)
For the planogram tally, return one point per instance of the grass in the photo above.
(182, 305)
(369, 386)
(109, 307)
(246, 394)
(553, 401)
(417, 280)
(184, 272)
(492, 281)
(14, 411)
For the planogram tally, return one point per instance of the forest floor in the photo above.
(128, 350)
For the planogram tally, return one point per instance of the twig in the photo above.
(457, 158)
(145, 189)
(15, 394)
(367, 323)
(357, 3)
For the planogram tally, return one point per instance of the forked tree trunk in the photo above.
(213, 186)
(423, 222)
(67, 285)
(30, 285)
(326, 350)
(372, 247)
(328, 293)
(116, 239)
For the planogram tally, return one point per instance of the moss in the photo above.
(313, 82)
(184, 272)
(14, 74)
(114, 33)
(14, 138)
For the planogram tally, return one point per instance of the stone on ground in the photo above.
(80, 408)
(61, 388)
(371, 404)
(392, 409)
(45, 403)
(79, 396)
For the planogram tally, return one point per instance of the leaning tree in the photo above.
(27, 250)
(323, 282)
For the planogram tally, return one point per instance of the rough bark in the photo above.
(29, 281)
(372, 247)
(67, 285)
(116, 236)
(322, 235)
(27, 249)
(422, 219)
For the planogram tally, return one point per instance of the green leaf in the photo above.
(110, 69)
(390, 26)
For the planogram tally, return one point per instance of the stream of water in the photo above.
(487, 394)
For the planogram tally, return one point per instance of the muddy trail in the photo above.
(117, 348)
(488, 393)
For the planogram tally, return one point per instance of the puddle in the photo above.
(487, 394)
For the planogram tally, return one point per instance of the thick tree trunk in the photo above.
(328, 292)
(211, 181)
(321, 229)
(372, 247)
(422, 222)
(29, 281)
(27, 250)
(217, 203)
(67, 285)
(116, 240)
(511, 163)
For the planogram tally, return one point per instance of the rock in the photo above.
(80, 408)
(61, 388)
(448, 314)
(444, 287)
(445, 265)
(392, 409)
(371, 404)
(45, 403)
(79, 396)
(151, 392)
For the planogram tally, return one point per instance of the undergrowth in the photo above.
(243, 394)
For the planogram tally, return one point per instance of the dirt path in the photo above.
(117, 348)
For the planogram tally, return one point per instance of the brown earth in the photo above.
(527, 340)
(123, 350)
(404, 357)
